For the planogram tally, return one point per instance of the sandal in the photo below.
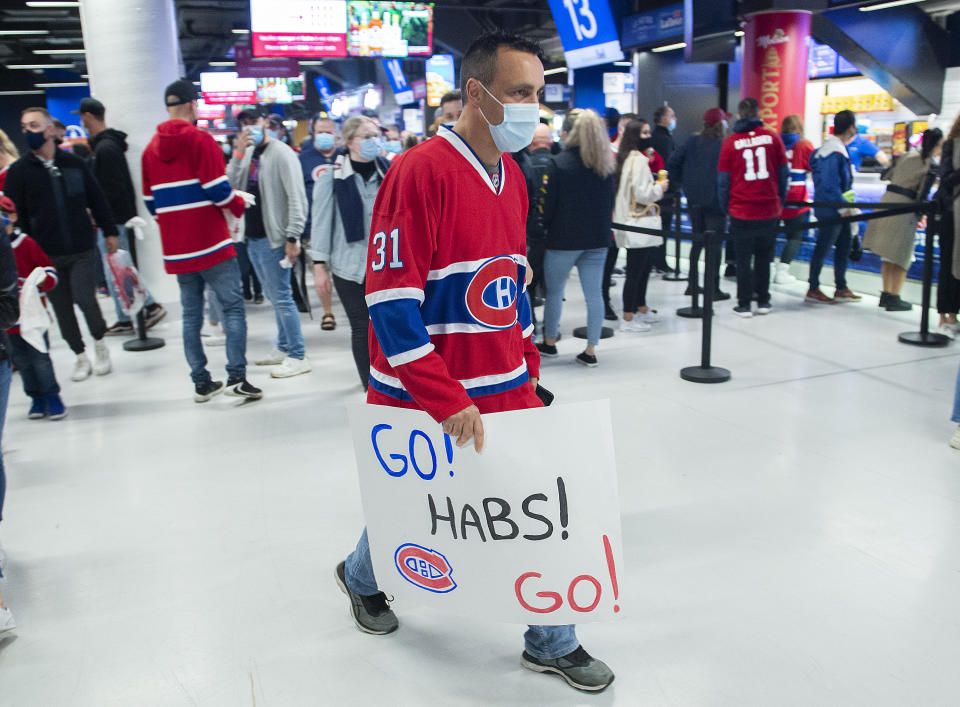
(328, 323)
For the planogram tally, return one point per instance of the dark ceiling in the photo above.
(205, 29)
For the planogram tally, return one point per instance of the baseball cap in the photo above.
(180, 92)
(6, 204)
(92, 106)
(715, 115)
(275, 119)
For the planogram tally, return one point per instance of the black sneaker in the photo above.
(154, 314)
(587, 360)
(258, 299)
(720, 296)
(609, 314)
(203, 392)
(743, 310)
(120, 329)
(578, 668)
(240, 388)
(884, 299)
(895, 304)
(764, 308)
(548, 350)
(371, 614)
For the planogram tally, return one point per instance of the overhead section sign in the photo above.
(587, 32)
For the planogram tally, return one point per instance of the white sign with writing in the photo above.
(528, 531)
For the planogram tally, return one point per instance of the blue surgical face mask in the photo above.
(274, 134)
(520, 121)
(256, 132)
(324, 141)
(370, 148)
(394, 146)
(673, 125)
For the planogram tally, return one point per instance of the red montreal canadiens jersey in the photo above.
(753, 160)
(799, 157)
(450, 319)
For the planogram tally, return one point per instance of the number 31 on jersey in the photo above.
(380, 244)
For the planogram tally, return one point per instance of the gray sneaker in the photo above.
(578, 668)
(371, 614)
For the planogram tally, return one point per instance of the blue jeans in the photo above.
(223, 280)
(544, 642)
(557, 265)
(123, 233)
(828, 236)
(276, 285)
(6, 373)
(36, 368)
(956, 401)
(247, 276)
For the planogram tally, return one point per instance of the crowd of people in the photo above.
(237, 221)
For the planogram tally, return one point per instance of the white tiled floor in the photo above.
(792, 537)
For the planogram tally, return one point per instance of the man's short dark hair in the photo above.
(59, 125)
(659, 113)
(248, 116)
(843, 121)
(480, 61)
(450, 96)
(748, 108)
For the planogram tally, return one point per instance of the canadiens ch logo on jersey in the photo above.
(427, 569)
(492, 293)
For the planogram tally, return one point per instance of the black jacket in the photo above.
(52, 208)
(662, 141)
(111, 170)
(578, 208)
(694, 167)
(536, 166)
(949, 176)
(9, 296)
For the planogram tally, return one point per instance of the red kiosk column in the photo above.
(775, 47)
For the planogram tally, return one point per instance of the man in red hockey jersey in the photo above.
(752, 186)
(450, 324)
(185, 188)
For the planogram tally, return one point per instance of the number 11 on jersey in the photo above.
(751, 173)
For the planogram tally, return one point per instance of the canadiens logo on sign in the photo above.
(427, 569)
(492, 293)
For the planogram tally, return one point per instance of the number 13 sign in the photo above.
(587, 31)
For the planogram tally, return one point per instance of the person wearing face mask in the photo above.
(392, 145)
(450, 217)
(185, 188)
(269, 169)
(343, 199)
(664, 123)
(799, 151)
(318, 154)
(53, 191)
(833, 181)
(893, 238)
(694, 165)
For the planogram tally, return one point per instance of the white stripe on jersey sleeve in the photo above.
(409, 356)
(394, 294)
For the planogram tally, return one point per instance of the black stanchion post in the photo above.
(675, 276)
(142, 342)
(925, 337)
(705, 372)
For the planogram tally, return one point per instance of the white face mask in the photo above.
(520, 121)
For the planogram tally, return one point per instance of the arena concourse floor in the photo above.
(791, 537)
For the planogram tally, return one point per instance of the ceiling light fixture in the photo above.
(669, 47)
(21, 93)
(64, 84)
(558, 70)
(59, 51)
(739, 33)
(885, 5)
(45, 3)
(240, 31)
(21, 32)
(39, 66)
(223, 63)
(311, 63)
(623, 63)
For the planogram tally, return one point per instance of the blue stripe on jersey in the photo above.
(165, 197)
(499, 387)
(219, 191)
(390, 390)
(148, 200)
(398, 326)
(524, 315)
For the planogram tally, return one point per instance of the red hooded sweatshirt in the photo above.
(185, 187)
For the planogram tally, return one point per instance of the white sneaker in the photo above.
(955, 440)
(649, 317)
(948, 331)
(102, 365)
(215, 340)
(82, 368)
(6, 621)
(781, 275)
(292, 367)
(634, 326)
(210, 330)
(274, 358)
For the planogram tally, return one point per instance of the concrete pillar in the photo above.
(133, 53)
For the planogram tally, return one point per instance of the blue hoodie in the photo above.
(832, 175)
